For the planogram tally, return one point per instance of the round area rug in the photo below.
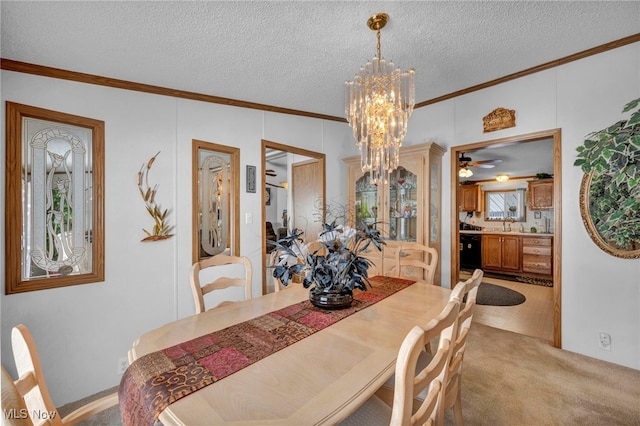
(495, 295)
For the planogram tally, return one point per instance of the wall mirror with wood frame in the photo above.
(54, 199)
(296, 179)
(216, 195)
(614, 235)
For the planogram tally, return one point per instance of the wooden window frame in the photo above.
(15, 114)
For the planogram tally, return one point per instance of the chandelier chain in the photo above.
(379, 49)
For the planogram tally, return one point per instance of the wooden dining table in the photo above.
(320, 379)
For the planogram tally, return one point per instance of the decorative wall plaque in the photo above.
(499, 118)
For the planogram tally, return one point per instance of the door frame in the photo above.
(555, 134)
(266, 144)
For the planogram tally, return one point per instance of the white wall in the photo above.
(599, 292)
(82, 330)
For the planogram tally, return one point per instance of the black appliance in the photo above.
(470, 251)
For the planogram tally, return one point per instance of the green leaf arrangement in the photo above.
(612, 156)
(161, 230)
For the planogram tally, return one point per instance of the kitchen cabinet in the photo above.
(501, 253)
(405, 209)
(541, 194)
(537, 255)
(469, 198)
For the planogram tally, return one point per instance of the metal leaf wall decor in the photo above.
(161, 230)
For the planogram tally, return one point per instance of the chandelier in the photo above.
(378, 103)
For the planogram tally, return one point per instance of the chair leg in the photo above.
(457, 408)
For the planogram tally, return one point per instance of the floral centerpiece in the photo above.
(334, 269)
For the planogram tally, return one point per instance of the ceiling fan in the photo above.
(465, 162)
(272, 173)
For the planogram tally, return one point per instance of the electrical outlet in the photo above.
(604, 341)
(123, 364)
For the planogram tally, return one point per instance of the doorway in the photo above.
(457, 152)
(293, 181)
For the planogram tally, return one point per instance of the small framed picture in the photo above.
(537, 215)
(251, 178)
(267, 196)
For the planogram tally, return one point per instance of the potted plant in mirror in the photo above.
(332, 271)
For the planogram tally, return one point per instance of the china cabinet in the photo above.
(541, 194)
(406, 209)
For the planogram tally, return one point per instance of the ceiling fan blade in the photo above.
(274, 185)
(269, 173)
(477, 163)
(483, 166)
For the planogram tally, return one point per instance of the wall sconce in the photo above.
(502, 177)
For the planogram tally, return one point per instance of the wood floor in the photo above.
(533, 318)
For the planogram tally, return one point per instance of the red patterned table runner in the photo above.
(158, 379)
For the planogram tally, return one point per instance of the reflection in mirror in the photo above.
(215, 198)
(612, 234)
(295, 178)
(505, 205)
(55, 184)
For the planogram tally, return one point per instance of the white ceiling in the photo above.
(297, 55)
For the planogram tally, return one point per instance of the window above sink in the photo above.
(505, 205)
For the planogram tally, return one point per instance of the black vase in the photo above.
(331, 300)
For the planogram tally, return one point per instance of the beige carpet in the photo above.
(511, 379)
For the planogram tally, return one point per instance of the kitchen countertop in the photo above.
(541, 234)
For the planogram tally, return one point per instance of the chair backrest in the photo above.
(410, 380)
(274, 259)
(31, 384)
(469, 291)
(31, 388)
(428, 263)
(14, 411)
(200, 289)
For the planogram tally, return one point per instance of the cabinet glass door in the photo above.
(403, 205)
(434, 208)
(366, 199)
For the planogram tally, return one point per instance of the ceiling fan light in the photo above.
(502, 177)
(465, 172)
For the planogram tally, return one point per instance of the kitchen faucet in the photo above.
(504, 221)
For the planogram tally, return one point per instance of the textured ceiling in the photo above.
(298, 54)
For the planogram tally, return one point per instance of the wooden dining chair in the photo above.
(15, 411)
(32, 389)
(453, 390)
(427, 260)
(218, 266)
(411, 380)
(467, 292)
